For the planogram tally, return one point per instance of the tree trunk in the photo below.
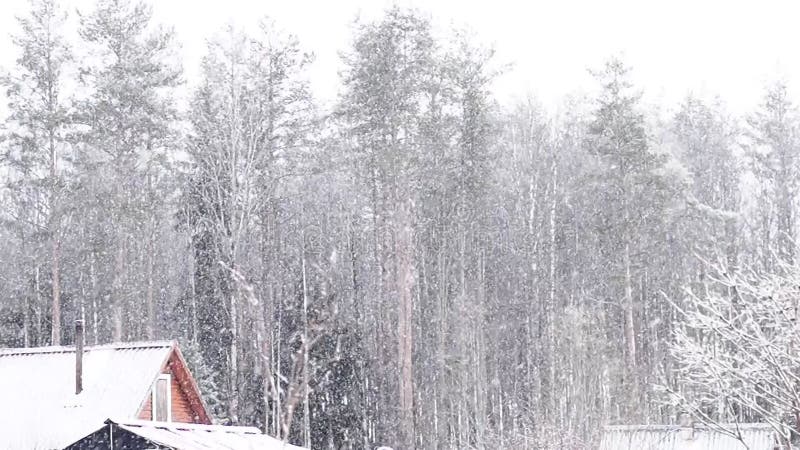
(405, 281)
(630, 332)
(151, 304)
(37, 292)
(550, 351)
(56, 307)
(785, 213)
(233, 360)
(95, 317)
(117, 292)
(55, 244)
(306, 411)
(150, 262)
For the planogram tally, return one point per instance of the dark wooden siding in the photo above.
(101, 440)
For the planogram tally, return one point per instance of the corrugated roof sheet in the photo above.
(37, 387)
(204, 437)
(754, 436)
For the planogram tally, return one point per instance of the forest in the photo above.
(418, 266)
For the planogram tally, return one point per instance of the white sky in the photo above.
(731, 48)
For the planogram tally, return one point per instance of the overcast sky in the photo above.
(731, 48)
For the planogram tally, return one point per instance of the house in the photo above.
(138, 434)
(53, 396)
(749, 436)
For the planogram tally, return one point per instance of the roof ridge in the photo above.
(186, 426)
(71, 349)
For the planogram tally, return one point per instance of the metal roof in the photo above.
(182, 436)
(754, 436)
(37, 386)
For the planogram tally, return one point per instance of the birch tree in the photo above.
(250, 118)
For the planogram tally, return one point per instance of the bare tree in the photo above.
(249, 117)
(737, 350)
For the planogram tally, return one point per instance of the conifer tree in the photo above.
(39, 121)
(129, 118)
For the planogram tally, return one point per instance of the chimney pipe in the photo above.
(78, 356)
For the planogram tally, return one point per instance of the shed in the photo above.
(139, 434)
(743, 436)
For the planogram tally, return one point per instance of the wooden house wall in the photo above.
(181, 407)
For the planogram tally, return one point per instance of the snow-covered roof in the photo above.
(37, 386)
(754, 436)
(181, 436)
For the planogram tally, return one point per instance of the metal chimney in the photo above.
(78, 356)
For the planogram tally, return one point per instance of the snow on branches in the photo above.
(737, 350)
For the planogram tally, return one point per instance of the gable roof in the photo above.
(754, 436)
(37, 385)
(181, 436)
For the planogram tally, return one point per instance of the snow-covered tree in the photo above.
(252, 118)
(706, 137)
(203, 374)
(128, 122)
(383, 106)
(637, 196)
(38, 148)
(737, 350)
(470, 274)
(775, 155)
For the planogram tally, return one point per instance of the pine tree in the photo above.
(337, 403)
(775, 153)
(203, 374)
(706, 136)
(129, 116)
(384, 93)
(39, 122)
(636, 193)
